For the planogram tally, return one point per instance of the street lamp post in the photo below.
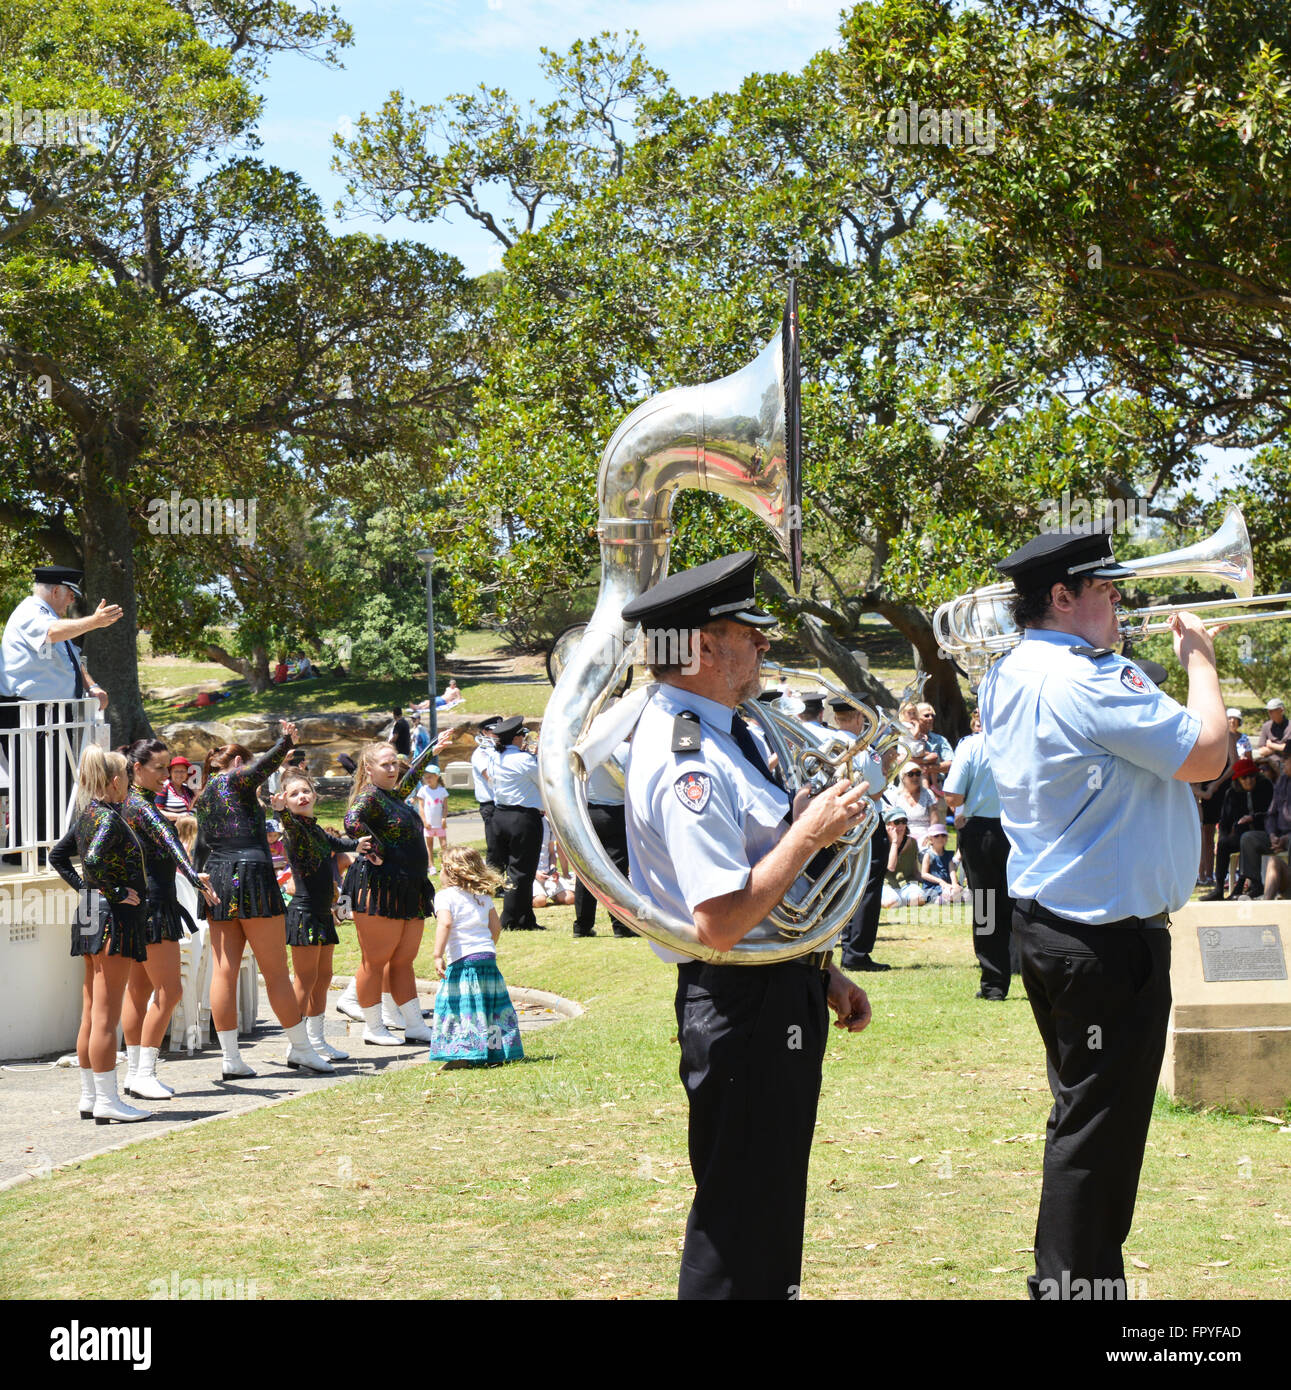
(428, 557)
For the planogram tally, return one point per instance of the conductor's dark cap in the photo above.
(507, 729)
(813, 703)
(720, 589)
(491, 723)
(838, 702)
(1058, 555)
(768, 697)
(60, 574)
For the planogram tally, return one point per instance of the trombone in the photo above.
(978, 627)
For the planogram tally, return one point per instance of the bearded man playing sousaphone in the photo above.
(712, 839)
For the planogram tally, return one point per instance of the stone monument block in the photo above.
(1230, 1027)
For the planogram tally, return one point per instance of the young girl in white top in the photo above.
(431, 800)
(475, 1020)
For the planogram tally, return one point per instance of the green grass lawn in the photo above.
(565, 1176)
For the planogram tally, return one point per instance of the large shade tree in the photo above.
(176, 317)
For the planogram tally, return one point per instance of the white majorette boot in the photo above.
(235, 1069)
(314, 1030)
(348, 1004)
(414, 1026)
(106, 1105)
(375, 1032)
(302, 1057)
(391, 1015)
(87, 1093)
(146, 1086)
(132, 1069)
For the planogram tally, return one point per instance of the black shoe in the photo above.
(1215, 896)
(991, 995)
(583, 934)
(626, 935)
(868, 965)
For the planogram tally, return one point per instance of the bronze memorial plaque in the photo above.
(1242, 953)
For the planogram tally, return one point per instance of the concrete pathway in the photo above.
(41, 1129)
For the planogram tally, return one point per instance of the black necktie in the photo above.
(748, 745)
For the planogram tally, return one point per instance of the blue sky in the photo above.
(430, 49)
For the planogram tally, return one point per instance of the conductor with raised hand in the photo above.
(712, 839)
(1086, 752)
(40, 661)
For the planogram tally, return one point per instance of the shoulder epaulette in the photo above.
(1093, 653)
(685, 732)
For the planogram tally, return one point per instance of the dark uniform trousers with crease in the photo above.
(517, 837)
(1101, 999)
(752, 1045)
(985, 850)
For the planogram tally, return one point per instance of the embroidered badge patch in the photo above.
(693, 790)
(1130, 677)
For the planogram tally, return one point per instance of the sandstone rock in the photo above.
(196, 739)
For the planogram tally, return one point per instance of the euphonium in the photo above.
(739, 436)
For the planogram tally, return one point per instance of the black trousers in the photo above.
(985, 849)
(490, 841)
(752, 1043)
(860, 934)
(611, 826)
(1101, 999)
(1254, 845)
(517, 834)
(1225, 847)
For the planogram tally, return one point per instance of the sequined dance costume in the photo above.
(309, 852)
(399, 887)
(231, 841)
(163, 855)
(113, 862)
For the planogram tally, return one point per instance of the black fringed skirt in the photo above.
(375, 891)
(243, 876)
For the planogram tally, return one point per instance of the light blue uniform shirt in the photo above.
(30, 667)
(939, 744)
(483, 761)
(697, 820)
(603, 789)
(970, 777)
(515, 779)
(1084, 752)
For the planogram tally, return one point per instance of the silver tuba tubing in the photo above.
(737, 436)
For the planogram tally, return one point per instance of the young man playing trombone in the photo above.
(1088, 756)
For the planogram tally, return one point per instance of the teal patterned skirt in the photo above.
(475, 1020)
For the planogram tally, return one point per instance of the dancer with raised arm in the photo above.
(166, 923)
(311, 928)
(232, 843)
(392, 894)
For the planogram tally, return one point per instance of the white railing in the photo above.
(45, 749)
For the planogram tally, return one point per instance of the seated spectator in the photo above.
(1235, 727)
(175, 799)
(1246, 802)
(921, 806)
(937, 868)
(551, 890)
(280, 673)
(1275, 834)
(1271, 741)
(901, 880)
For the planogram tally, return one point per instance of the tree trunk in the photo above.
(112, 653)
(255, 671)
(829, 651)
